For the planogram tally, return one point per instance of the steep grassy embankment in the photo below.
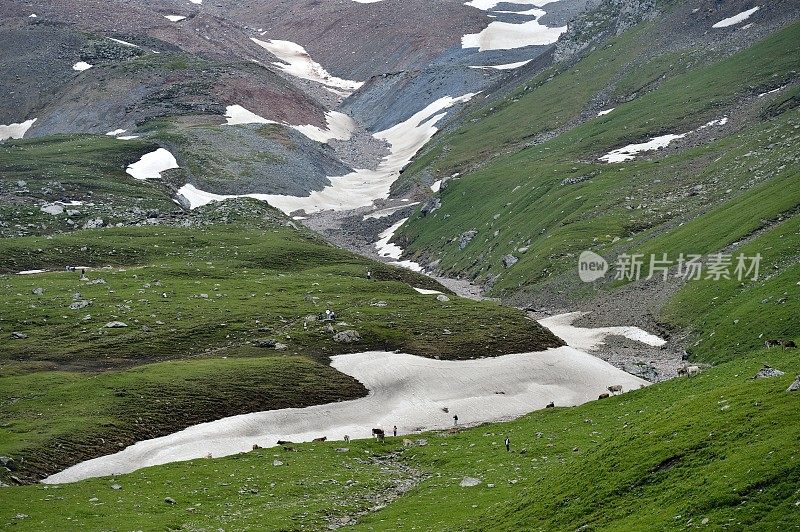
(734, 179)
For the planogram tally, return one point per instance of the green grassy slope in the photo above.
(215, 299)
(86, 168)
(546, 203)
(720, 447)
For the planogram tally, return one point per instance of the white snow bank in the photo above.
(384, 247)
(405, 390)
(426, 292)
(736, 19)
(80, 66)
(486, 5)
(16, 131)
(360, 187)
(605, 111)
(116, 132)
(393, 251)
(152, 164)
(507, 66)
(124, 43)
(588, 339)
(626, 153)
(31, 272)
(340, 126)
(506, 36)
(294, 60)
(174, 18)
(629, 152)
(383, 213)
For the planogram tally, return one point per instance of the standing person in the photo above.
(395, 431)
(508, 444)
(369, 274)
(455, 420)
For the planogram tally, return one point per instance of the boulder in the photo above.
(768, 372)
(795, 386)
(54, 208)
(347, 337)
(265, 343)
(466, 238)
(78, 305)
(509, 261)
(469, 482)
(442, 298)
(8, 463)
(116, 325)
(94, 223)
(16, 335)
(431, 206)
(38, 291)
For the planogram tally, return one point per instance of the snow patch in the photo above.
(408, 391)
(383, 213)
(588, 339)
(426, 292)
(124, 43)
(174, 18)
(16, 131)
(80, 66)
(736, 19)
(152, 164)
(605, 111)
(340, 126)
(294, 60)
(361, 187)
(507, 66)
(629, 152)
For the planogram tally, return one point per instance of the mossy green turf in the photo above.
(204, 296)
(721, 446)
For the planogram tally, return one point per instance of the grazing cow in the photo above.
(691, 371)
(284, 442)
(615, 389)
(323, 438)
(772, 343)
(256, 447)
(551, 404)
(788, 344)
(603, 396)
(346, 438)
(379, 434)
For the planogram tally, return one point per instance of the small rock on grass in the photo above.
(469, 482)
(115, 325)
(795, 386)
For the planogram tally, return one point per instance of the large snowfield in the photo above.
(408, 391)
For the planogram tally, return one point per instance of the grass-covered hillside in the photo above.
(530, 192)
(715, 451)
(172, 326)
